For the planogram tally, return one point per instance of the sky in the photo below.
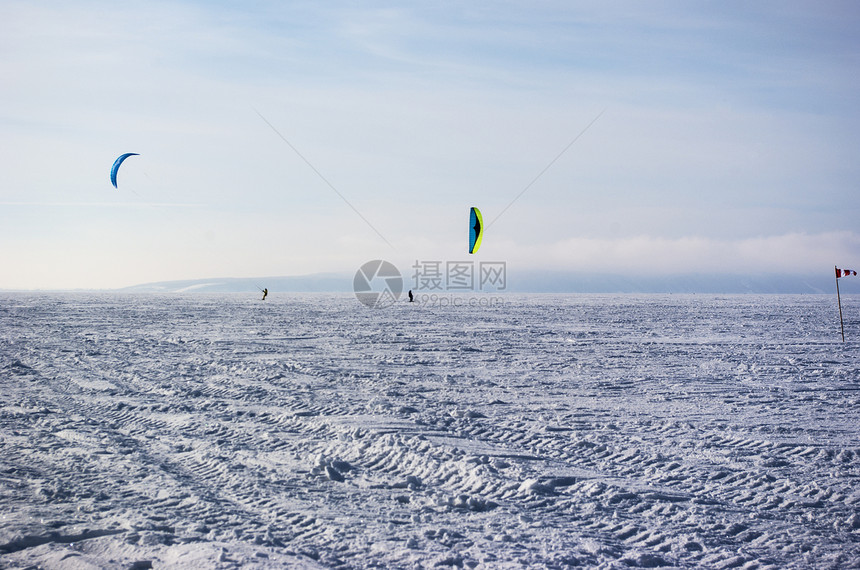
(291, 138)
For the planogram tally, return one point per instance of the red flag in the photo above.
(844, 272)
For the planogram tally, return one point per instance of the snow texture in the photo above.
(308, 431)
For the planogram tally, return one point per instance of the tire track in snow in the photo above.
(228, 432)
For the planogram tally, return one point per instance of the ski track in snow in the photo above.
(217, 431)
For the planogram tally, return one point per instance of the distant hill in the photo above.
(322, 282)
(561, 282)
(530, 282)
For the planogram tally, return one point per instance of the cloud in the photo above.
(796, 253)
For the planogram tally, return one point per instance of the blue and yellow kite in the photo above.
(476, 230)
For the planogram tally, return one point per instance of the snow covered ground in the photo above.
(219, 431)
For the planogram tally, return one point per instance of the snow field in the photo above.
(309, 431)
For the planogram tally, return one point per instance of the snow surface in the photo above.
(219, 431)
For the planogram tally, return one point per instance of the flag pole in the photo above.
(839, 302)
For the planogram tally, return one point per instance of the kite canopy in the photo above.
(476, 230)
(116, 164)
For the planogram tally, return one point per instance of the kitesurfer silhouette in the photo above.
(265, 292)
(410, 295)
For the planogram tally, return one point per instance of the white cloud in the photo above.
(795, 253)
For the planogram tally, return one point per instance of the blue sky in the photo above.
(728, 140)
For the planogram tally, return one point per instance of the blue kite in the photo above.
(116, 164)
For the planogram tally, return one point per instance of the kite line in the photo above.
(323, 178)
(547, 167)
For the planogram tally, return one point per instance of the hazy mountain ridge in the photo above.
(321, 282)
(527, 282)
